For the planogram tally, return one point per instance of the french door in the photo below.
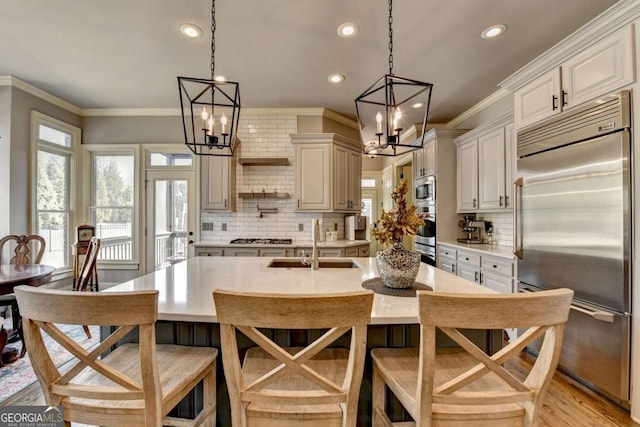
(170, 217)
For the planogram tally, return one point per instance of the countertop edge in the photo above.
(491, 250)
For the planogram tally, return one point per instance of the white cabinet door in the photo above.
(341, 178)
(602, 68)
(355, 181)
(215, 187)
(418, 163)
(275, 252)
(429, 158)
(467, 175)
(500, 284)
(448, 265)
(538, 100)
(327, 252)
(510, 151)
(313, 180)
(468, 272)
(491, 170)
(364, 251)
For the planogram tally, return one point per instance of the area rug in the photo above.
(19, 374)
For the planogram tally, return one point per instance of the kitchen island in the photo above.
(186, 287)
(187, 314)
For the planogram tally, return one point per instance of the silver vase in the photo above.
(397, 266)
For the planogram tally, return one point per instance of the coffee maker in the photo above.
(475, 230)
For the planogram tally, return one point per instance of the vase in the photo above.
(397, 266)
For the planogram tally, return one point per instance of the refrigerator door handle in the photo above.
(517, 241)
(596, 314)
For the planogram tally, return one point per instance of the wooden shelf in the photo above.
(261, 195)
(263, 161)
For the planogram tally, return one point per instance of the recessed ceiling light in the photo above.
(190, 30)
(417, 105)
(348, 29)
(336, 78)
(220, 78)
(493, 31)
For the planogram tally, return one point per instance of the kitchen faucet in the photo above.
(315, 234)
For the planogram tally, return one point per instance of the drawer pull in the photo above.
(495, 266)
(467, 259)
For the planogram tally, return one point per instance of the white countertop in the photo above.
(296, 243)
(495, 250)
(186, 287)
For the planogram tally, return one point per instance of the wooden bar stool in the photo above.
(134, 385)
(292, 387)
(464, 386)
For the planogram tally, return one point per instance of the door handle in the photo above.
(474, 203)
(596, 314)
(554, 102)
(506, 201)
(190, 242)
(500, 202)
(564, 98)
(517, 248)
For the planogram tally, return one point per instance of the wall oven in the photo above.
(426, 236)
(425, 190)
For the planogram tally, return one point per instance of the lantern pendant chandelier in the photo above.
(389, 106)
(210, 109)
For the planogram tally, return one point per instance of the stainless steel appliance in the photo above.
(355, 227)
(473, 229)
(425, 240)
(573, 229)
(425, 189)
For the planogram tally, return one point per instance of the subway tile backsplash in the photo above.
(502, 226)
(266, 136)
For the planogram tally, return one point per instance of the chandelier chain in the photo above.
(213, 39)
(391, 37)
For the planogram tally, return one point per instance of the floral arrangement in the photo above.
(399, 221)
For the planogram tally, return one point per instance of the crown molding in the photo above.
(500, 121)
(617, 16)
(310, 138)
(39, 93)
(475, 109)
(337, 117)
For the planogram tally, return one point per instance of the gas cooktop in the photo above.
(261, 241)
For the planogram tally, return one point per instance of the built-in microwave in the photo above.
(425, 189)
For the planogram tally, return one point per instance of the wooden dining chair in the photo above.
(464, 386)
(284, 386)
(88, 272)
(23, 249)
(137, 384)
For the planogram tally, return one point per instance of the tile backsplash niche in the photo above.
(266, 136)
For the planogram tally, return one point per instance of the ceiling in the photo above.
(127, 54)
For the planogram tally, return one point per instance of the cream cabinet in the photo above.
(485, 162)
(217, 185)
(328, 173)
(599, 69)
(208, 251)
(424, 160)
(347, 179)
(447, 258)
(494, 272)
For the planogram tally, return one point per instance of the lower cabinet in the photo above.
(493, 272)
(350, 252)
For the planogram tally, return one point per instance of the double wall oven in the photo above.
(426, 236)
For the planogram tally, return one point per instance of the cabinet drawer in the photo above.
(351, 252)
(498, 283)
(275, 252)
(364, 251)
(447, 252)
(497, 266)
(209, 252)
(330, 252)
(469, 258)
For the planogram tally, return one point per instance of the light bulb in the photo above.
(204, 116)
(223, 121)
(378, 122)
(211, 125)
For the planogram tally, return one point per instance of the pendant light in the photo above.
(389, 106)
(210, 109)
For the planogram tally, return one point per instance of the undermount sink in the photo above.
(324, 263)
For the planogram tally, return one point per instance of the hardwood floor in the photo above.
(568, 403)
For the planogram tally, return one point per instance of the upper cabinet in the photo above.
(599, 69)
(217, 185)
(328, 173)
(424, 160)
(484, 166)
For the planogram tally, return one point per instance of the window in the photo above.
(113, 191)
(53, 145)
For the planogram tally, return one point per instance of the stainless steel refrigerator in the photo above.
(573, 229)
